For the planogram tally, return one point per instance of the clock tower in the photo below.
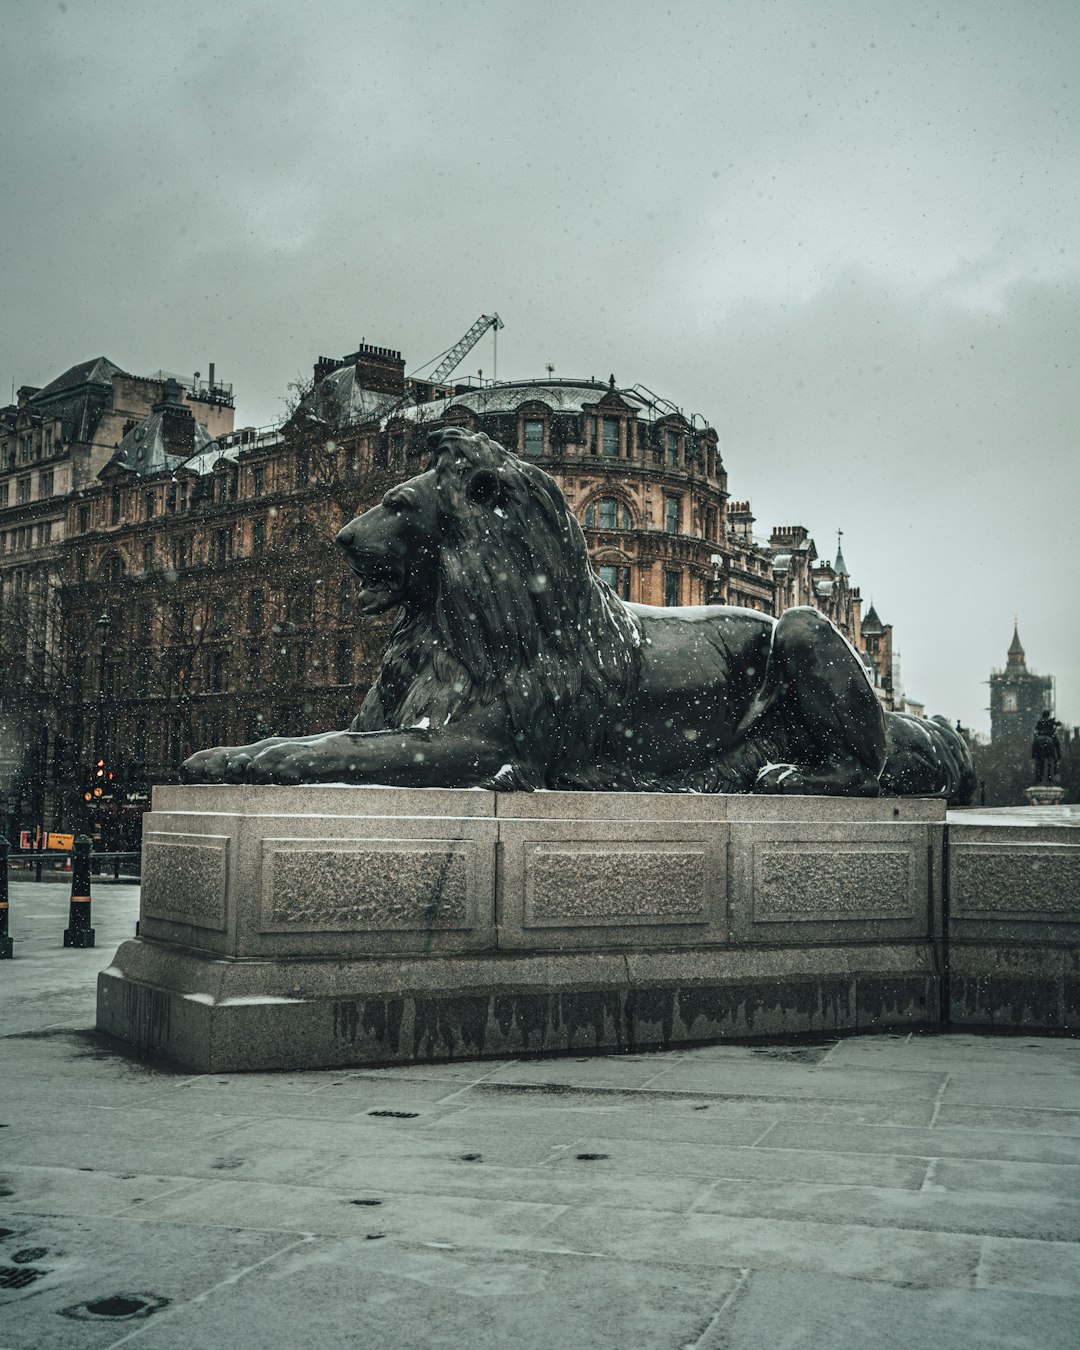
(1017, 696)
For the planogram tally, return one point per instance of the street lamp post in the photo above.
(103, 636)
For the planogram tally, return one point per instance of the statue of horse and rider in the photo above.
(1045, 748)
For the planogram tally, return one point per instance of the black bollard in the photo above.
(5, 941)
(78, 933)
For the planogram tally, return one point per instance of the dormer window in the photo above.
(533, 435)
(671, 449)
(610, 438)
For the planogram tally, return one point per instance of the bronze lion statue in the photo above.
(512, 665)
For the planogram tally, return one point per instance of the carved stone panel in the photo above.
(571, 883)
(1010, 882)
(184, 877)
(800, 882)
(367, 885)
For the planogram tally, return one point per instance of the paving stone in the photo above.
(855, 1251)
(947, 1141)
(806, 1312)
(800, 1082)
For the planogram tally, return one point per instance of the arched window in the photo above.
(608, 513)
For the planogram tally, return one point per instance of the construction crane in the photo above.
(464, 346)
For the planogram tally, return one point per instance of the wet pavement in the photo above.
(883, 1191)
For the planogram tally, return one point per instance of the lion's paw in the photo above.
(286, 764)
(221, 764)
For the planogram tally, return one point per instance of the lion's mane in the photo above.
(518, 622)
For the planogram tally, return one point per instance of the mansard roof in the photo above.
(566, 396)
(340, 400)
(145, 448)
(98, 370)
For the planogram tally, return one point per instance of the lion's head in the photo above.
(491, 571)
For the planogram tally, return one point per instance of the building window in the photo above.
(534, 436)
(610, 443)
(217, 672)
(114, 567)
(3, 494)
(255, 611)
(350, 459)
(258, 481)
(345, 601)
(45, 484)
(114, 514)
(151, 504)
(22, 491)
(671, 514)
(302, 469)
(84, 519)
(672, 581)
(300, 605)
(671, 447)
(223, 489)
(80, 566)
(607, 514)
(710, 523)
(223, 548)
(300, 661)
(618, 578)
(148, 555)
(258, 535)
(254, 666)
(397, 450)
(343, 662)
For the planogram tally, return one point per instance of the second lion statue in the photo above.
(512, 665)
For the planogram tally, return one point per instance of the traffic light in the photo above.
(101, 783)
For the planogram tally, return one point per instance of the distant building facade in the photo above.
(1017, 696)
(54, 441)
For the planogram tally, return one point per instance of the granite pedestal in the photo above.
(1013, 940)
(319, 926)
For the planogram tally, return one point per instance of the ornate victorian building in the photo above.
(53, 443)
(645, 481)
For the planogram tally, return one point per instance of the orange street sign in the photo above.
(62, 841)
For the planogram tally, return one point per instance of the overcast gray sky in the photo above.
(847, 234)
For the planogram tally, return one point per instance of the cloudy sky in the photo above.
(847, 234)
